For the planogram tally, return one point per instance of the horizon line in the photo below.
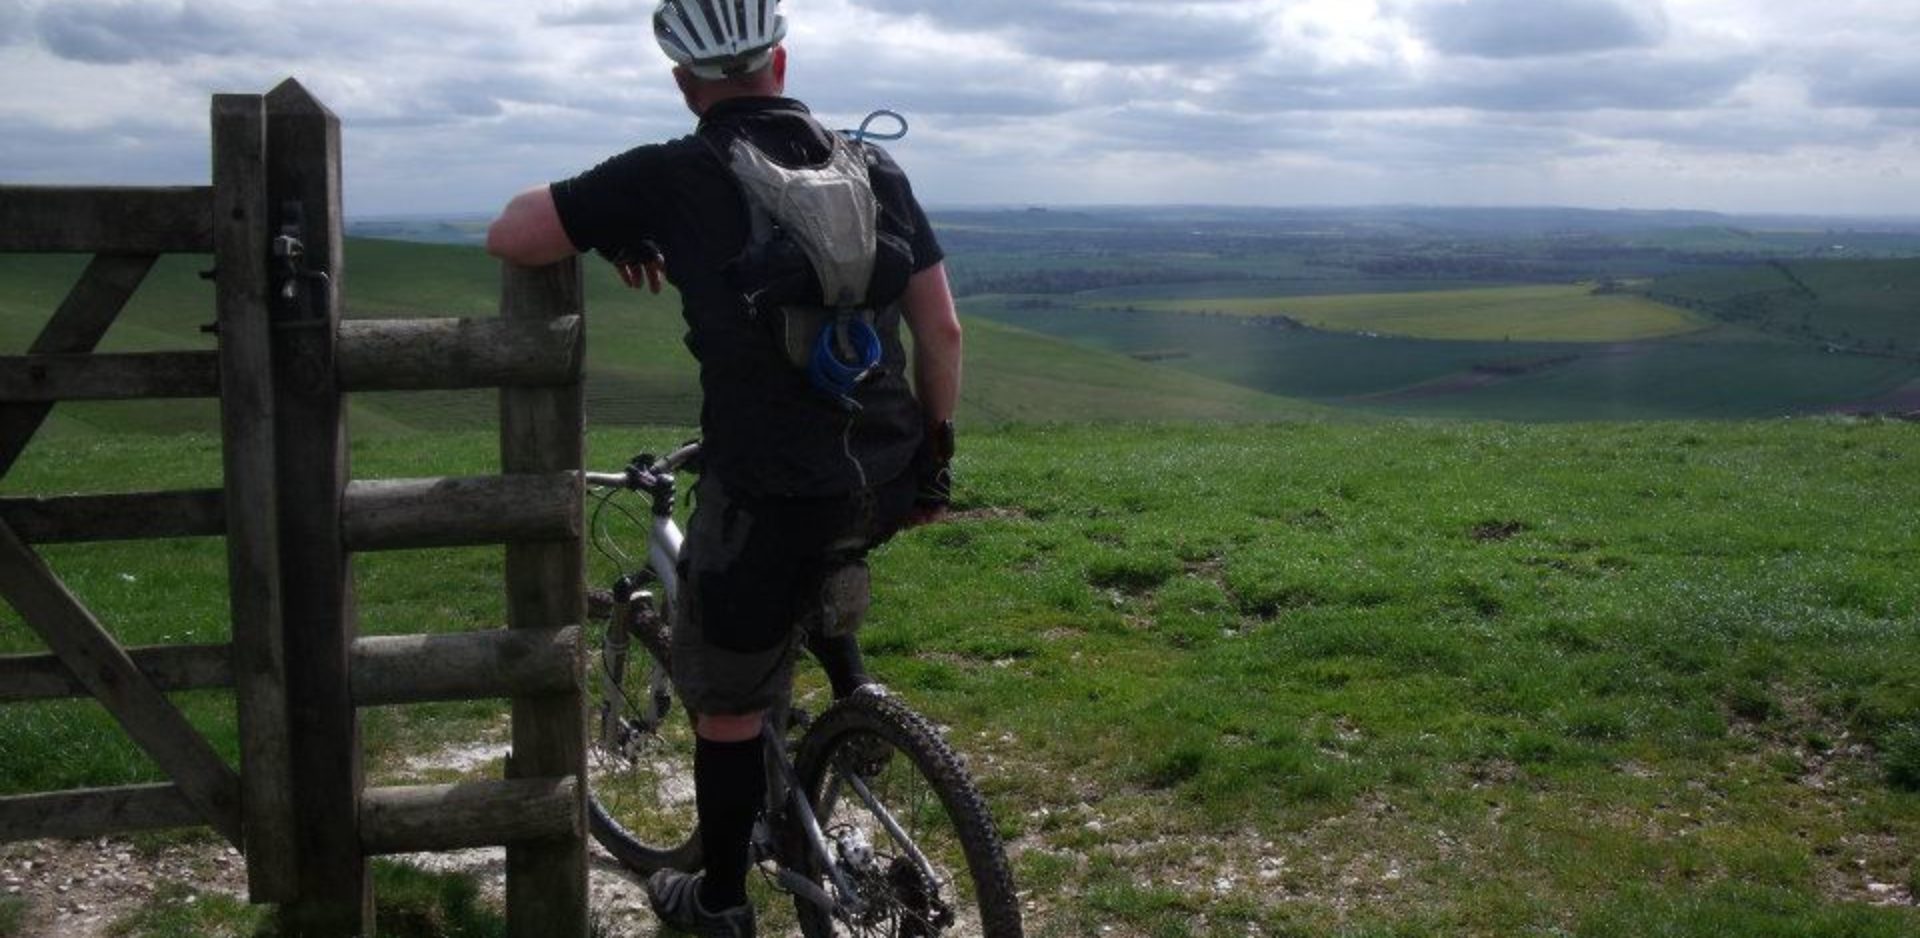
(939, 207)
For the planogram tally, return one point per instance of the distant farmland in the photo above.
(1764, 341)
(1544, 313)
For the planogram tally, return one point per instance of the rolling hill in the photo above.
(639, 370)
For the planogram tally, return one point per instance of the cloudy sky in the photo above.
(452, 105)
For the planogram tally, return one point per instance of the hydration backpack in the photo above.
(817, 269)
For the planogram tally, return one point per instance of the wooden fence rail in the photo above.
(458, 354)
(409, 514)
(144, 375)
(106, 220)
(471, 814)
(98, 812)
(169, 667)
(468, 666)
(140, 516)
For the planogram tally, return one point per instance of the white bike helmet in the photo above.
(719, 38)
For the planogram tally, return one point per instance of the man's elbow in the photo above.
(508, 242)
(497, 241)
(502, 240)
(528, 232)
(947, 331)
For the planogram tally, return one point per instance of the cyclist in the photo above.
(797, 255)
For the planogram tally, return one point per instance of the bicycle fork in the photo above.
(838, 855)
(794, 795)
(633, 612)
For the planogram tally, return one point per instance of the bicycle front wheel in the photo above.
(907, 830)
(640, 766)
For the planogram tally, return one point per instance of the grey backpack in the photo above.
(817, 267)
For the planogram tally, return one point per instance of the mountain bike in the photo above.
(871, 824)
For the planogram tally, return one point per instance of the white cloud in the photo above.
(455, 104)
(1510, 29)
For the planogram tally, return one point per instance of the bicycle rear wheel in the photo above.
(640, 766)
(906, 825)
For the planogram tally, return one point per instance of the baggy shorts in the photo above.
(756, 573)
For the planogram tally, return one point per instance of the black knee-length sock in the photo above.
(729, 782)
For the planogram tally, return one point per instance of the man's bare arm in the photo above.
(528, 232)
(936, 381)
(935, 325)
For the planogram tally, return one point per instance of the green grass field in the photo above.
(1309, 679)
(1552, 313)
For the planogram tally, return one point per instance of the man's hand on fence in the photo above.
(633, 274)
(640, 265)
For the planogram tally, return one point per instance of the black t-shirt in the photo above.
(767, 431)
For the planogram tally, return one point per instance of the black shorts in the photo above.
(755, 572)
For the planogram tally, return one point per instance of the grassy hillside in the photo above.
(1310, 679)
(639, 371)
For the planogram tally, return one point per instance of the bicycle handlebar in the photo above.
(644, 472)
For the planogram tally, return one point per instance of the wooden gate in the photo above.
(293, 518)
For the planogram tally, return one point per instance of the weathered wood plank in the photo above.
(542, 430)
(72, 633)
(76, 328)
(303, 197)
(456, 354)
(72, 519)
(405, 514)
(245, 375)
(170, 667)
(96, 812)
(50, 378)
(475, 814)
(106, 220)
(466, 666)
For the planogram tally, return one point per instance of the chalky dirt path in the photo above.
(79, 889)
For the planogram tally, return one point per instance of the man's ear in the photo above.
(689, 87)
(780, 67)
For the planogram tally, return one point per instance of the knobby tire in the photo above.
(846, 731)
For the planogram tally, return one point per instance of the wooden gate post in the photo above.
(253, 514)
(303, 162)
(543, 430)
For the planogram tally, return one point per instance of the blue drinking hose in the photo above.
(863, 134)
(836, 377)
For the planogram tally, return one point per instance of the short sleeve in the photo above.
(615, 204)
(901, 211)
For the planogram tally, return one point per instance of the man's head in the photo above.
(722, 48)
(702, 93)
